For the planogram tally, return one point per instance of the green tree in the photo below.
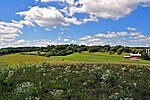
(119, 51)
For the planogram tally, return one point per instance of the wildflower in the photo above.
(124, 69)
(44, 74)
(11, 73)
(85, 83)
(108, 71)
(25, 88)
(135, 84)
(37, 98)
(56, 93)
(132, 70)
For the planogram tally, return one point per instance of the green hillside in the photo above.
(15, 59)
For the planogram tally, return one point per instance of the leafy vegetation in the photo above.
(145, 56)
(75, 82)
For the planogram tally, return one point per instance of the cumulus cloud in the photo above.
(26, 22)
(119, 38)
(141, 38)
(85, 38)
(44, 16)
(48, 16)
(113, 9)
(90, 40)
(21, 41)
(9, 31)
(111, 34)
(52, 16)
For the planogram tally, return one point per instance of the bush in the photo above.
(145, 56)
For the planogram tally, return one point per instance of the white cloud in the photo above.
(89, 40)
(141, 39)
(111, 34)
(93, 40)
(26, 22)
(135, 33)
(90, 19)
(21, 41)
(85, 38)
(67, 1)
(9, 31)
(122, 33)
(66, 40)
(44, 16)
(113, 9)
(50, 17)
(131, 29)
(92, 43)
(45, 42)
(73, 41)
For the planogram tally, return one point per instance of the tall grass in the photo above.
(75, 82)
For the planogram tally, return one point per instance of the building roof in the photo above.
(135, 55)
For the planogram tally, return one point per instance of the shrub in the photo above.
(145, 56)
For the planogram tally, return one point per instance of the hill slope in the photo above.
(14, 59)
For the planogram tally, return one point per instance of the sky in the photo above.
(82, 22)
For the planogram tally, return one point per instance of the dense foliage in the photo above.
(75, 82)
(145, 56)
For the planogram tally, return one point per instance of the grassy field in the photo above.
(79, 76)
(15, 59)
(75, 82)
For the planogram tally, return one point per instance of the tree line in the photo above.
(63, 50)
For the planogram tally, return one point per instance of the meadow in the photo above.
(98, 57)
(75, 82)
(78, 76)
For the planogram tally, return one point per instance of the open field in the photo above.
(75, 82)
(17, 59)
(79, 76)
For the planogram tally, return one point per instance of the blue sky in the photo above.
(88, 22)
